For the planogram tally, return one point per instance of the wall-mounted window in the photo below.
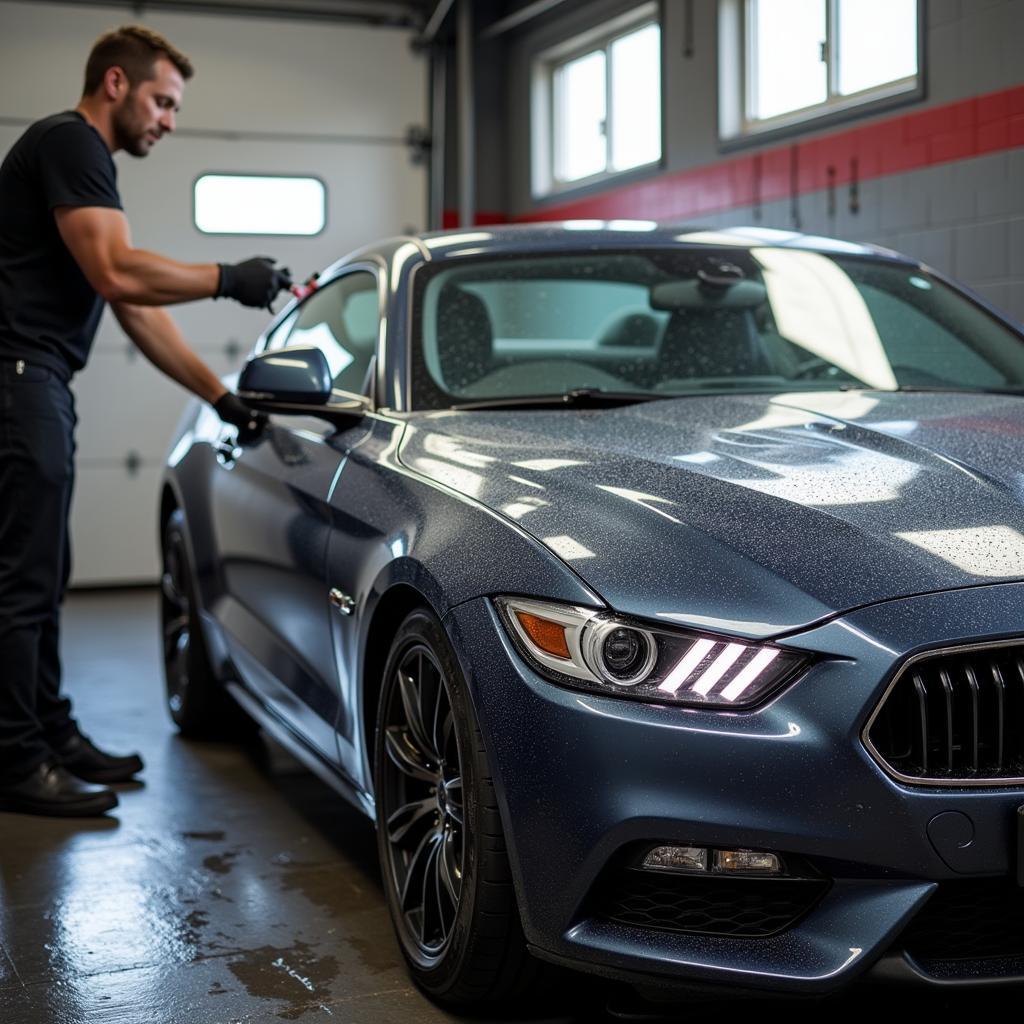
(252, 204)
(597, 103)
(784, 62)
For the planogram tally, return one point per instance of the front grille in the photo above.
(741, 907)
(969, 920)
(955, 716)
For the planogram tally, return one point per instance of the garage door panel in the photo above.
(252, 74)
(127, 406)
(114, 524)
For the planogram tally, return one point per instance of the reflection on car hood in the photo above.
(754, 514)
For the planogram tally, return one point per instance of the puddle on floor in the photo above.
(295, 974)
(220, 863)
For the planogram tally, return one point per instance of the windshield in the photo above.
(687, 322)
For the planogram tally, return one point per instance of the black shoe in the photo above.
(51, 790)
(80, 757)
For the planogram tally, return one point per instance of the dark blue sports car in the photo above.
(659, 593)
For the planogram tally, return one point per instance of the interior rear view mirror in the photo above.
(699, 293)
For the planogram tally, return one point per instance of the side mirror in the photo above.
(296, 381)
(294, 376)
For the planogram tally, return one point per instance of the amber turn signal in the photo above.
(547, 635)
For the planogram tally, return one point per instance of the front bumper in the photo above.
(581, 777)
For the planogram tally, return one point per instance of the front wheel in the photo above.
(442, 850)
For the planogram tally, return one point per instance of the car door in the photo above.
(270, 516)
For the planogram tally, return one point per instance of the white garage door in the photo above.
(329, 100)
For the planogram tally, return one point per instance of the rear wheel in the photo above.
(196, 700)
(442, 850)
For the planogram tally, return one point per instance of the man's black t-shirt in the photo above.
(48, 310)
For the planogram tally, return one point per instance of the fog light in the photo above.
(677, 858)
(724, 862)
(746, 862)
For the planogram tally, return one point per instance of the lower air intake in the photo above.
(703, 905)
(977, 920)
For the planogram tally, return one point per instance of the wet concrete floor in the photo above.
(232, 886)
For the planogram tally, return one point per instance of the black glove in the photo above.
(254, 282)
(231, 409)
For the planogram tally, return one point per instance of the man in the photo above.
(65, 249)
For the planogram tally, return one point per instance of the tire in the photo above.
(196, 700)
(439, 834)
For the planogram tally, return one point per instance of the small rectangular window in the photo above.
(636, 98)
(876, 44)
(787, 69)
(580, 118)
(251, 204)
(804, 59)
(597, 103)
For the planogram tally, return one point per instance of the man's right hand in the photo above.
(254, 282)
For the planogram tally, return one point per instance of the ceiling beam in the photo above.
(520, 17)
(433, 26)
(390, 13)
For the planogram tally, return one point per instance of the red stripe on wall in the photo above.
(908, 142)
(450, 218)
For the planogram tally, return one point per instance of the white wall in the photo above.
(269, 95)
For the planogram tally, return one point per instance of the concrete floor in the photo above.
(231, 887)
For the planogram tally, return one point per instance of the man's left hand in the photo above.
(231, 409)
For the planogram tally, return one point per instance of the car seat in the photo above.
(465, 338)
(711, 343)
(634, 328)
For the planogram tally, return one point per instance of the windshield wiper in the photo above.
(577, 398)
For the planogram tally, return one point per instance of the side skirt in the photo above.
(301, 751)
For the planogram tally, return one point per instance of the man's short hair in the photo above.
(136, 50)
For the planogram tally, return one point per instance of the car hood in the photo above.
(756, 515)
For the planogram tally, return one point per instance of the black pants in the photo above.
(37, 449)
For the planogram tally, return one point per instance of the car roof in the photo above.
(560, 236)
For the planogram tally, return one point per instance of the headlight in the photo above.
(609, 654)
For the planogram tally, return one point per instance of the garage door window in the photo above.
(250, 204)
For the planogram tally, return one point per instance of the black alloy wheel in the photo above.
(424, 799)
(196, 700)
(442, 851)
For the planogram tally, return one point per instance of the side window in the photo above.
(279, 335)
(341, 319)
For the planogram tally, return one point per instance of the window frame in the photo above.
(737, 127)
(338, 395)
(544, 143)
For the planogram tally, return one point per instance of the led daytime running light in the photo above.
(569, 644)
